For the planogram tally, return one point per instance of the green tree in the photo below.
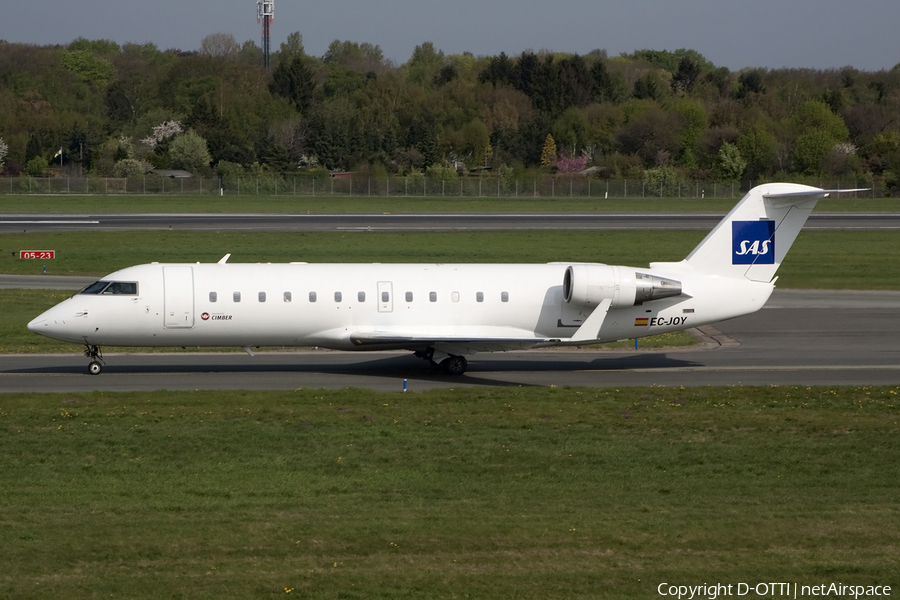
(571, 130)
(607, 87)
(815, 114)
(810, 150)
(649, 87)
(92, 69)
(757, 147)
(731, 163)
(361, 58)
(292, 48)
(293, 80)
(751, 82)
(661, 181)
(36, 166)
(189, 151)
(444, 173)
(696, 122)
(130, 167)
(655, 135)
(424, 64)
(684, 78)
(883, 153)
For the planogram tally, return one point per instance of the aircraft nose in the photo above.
(34, 326)
(48, 324)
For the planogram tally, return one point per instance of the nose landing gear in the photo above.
(96, 356)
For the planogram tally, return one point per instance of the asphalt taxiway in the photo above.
(799, 338)
(426, 222)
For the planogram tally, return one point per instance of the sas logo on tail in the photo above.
(753, 242)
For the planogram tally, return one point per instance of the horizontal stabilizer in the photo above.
(790, 198)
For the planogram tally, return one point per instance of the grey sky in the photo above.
(733, 33)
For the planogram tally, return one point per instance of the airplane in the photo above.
(441, 312)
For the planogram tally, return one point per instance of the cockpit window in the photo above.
(95, 288)
(112, 288)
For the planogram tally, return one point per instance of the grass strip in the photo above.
(488, 493)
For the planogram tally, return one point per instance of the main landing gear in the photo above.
(454, 365)
(451, 364)
(96, 356)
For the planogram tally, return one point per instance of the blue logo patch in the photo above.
(753, 242)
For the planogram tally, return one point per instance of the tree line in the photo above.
(106, 109)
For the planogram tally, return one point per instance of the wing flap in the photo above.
(465, 341)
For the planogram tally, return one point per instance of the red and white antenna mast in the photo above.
(265, 14)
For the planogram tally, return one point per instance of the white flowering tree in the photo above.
(162, 132)
(4, 150)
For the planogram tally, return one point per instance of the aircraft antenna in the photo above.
(265, 14)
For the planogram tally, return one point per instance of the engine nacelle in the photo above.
(588, 285)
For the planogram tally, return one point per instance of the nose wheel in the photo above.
(96, 356)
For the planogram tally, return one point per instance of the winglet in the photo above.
(224, 259)
(590, 329)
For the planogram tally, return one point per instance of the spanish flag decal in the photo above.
(642, 322)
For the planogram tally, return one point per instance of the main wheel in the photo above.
(454, 365)
(94, 368)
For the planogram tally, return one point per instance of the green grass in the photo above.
(491, 493)
(378, 204)
(818, 259)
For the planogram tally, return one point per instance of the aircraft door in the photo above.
(385, 297)
(178, 286)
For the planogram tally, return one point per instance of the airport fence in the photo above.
(412, 186)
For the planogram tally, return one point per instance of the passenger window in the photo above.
(479, 296)
(213, 296)
(385, 297)
(338, 296)
(237, 296)
(432, 296)
(312, 296)
(287, 296)
(504, 296)
(262, 296)
(409, 296)
(454, 296)
(361, 296)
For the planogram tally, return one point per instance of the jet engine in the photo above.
(587, 285)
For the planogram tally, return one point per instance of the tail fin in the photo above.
(753, 239)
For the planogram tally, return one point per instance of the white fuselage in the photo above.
(457, 308)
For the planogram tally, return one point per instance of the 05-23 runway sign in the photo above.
(38, 254)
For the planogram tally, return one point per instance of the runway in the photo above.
(799, 338)
(18, 223)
